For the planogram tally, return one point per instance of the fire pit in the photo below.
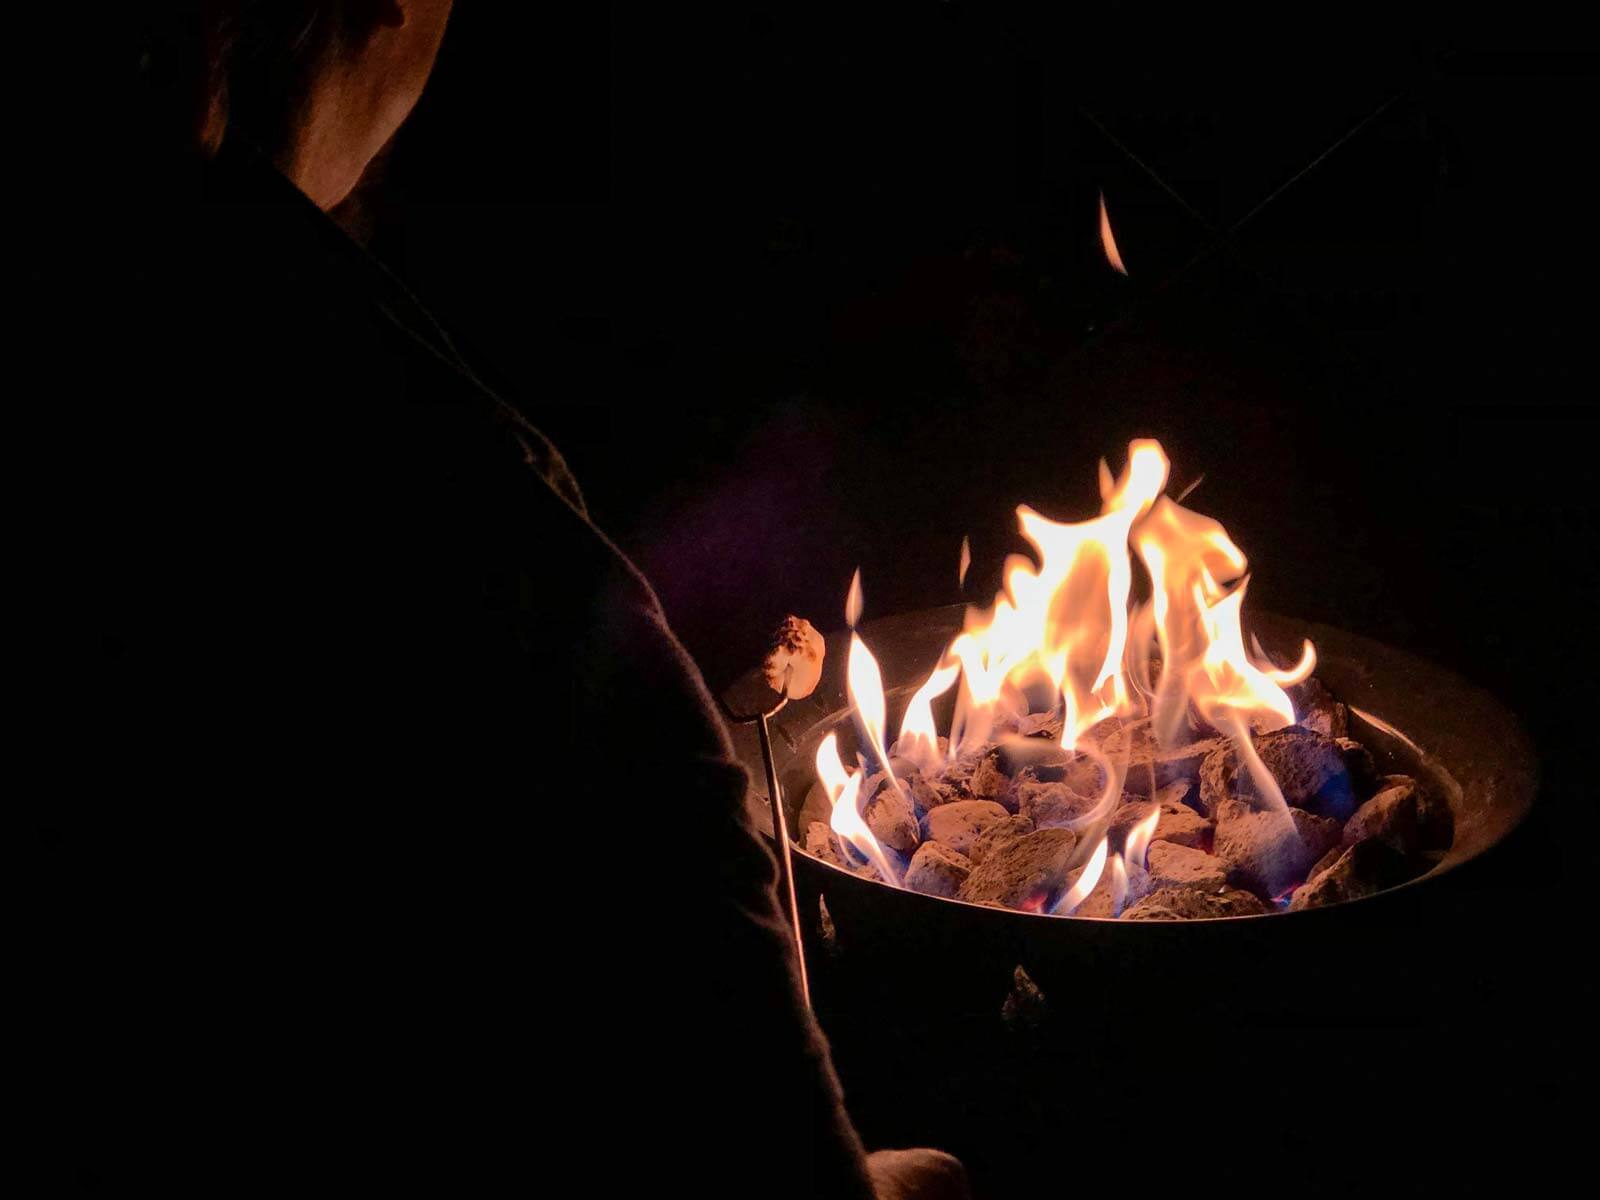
(1398, 716)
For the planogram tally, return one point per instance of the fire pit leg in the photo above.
(780, 834)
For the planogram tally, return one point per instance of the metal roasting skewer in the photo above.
(780, 831)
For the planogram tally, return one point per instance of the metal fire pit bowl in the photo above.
(1413, 940)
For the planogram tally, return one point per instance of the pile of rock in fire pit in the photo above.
(992, 827)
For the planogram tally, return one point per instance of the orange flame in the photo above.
(864, 686)
(1075, 895)
(1068, 626)
(1197, 622)
(918, 742)
(1119, 885)
(844, 794)
(1137, 845)
(1065, 621)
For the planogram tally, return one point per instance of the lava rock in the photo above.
(897, 756)
(1101, 900)
(1308, 768)
(937, 870)
(1363, 869)
(975, 777)
(1022, 873)
(1436, 823)
(988, 781)
(1192, 904)
(1052, 805)
(1178, 823)
(1317, 709)
(892, 819)
(1001, 832)
(1152, 766)
(958, 825)
(1326, 861)
(1040, 725)
(1269, 851)
(1052, 764)
(1393, 816)
(1181, 791)
(1172, 865)
(926, 795)
(1358, 761)
(930, 791)
(819, 844)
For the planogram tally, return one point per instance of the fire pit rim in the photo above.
(1514, 786)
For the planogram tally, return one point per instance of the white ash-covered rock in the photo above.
(892, 819)
(1172, 865)
(937, 870)
(1178, 823)
(1009, 830)
(1193, 904)
(1308, 767)
(1363, 869)
(959, 825)
(1025, 873)
(1268, 851)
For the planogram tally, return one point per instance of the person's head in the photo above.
(320, 85)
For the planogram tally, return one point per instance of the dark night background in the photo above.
(797, 292)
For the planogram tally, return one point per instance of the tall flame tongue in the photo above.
(844, 794)
(864, 686)
(1204, 663)
(1067, 626)
(1138, 842)
(1066, 620)
(919, 736)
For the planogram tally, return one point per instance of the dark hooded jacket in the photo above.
(395, 838)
